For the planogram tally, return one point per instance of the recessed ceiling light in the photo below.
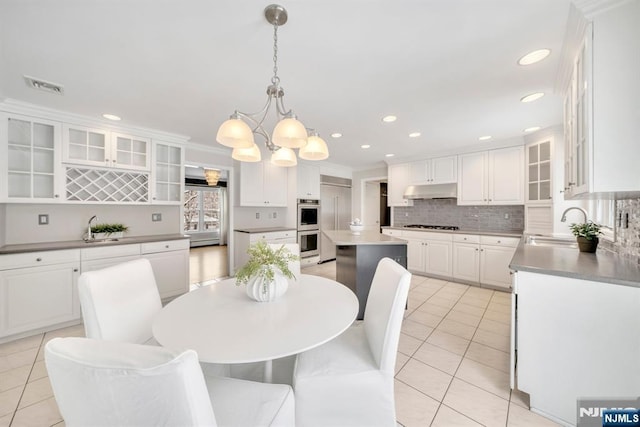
(389, 155)
(44, 85)
(414, 134)
(532, 97)
(532, 129)
(111, 117)
(533, 57)
(365, 146)
(484, 138)
(336, 135)
(389, 119)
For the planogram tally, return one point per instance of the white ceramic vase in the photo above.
(262, 291)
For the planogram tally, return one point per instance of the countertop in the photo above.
(346, 237)
(505, 233)
(81, 244)
(264, 230)
(602, 266)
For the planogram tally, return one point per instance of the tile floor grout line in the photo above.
(24, 387)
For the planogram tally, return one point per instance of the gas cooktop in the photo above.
(433, 227)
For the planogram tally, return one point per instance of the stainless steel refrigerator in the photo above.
(335, 211)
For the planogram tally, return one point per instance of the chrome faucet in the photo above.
(564, 214)
(89, 235)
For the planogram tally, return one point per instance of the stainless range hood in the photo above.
(434, 191)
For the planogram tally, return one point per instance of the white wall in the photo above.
(356, 187)
(69, 221)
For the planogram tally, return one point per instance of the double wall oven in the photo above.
(309, 227)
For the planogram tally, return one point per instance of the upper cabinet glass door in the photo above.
(32, 158)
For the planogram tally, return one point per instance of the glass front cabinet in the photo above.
(30, 161)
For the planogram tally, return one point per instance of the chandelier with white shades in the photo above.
(289, 132)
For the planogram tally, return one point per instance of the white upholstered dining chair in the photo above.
(349, 380)
(110, 383)
(119, 303)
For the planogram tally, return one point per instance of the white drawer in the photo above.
(274, 236)
(466, 238)
(166, 246)
(34, 259)
(499, 241)
(426, 235)
(395, 233)
(109, 251)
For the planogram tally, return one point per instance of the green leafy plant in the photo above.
(263, 261)
(108, 228)
(589, 230)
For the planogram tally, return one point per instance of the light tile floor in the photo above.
(452, 366)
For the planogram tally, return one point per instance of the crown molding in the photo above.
(591, 8)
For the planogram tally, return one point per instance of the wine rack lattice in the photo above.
(96, 185)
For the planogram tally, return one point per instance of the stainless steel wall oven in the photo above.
(309, 227)
(309, 242)
(308, 214)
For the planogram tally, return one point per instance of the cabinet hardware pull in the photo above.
(38, 259)
(166, 246)
(75, 270)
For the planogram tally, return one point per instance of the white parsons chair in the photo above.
(110, 383)
(119, 303)
(349, 380)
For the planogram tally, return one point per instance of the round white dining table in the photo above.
(224, 325)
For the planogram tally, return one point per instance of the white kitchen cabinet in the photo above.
(38, 291)
(415, 254)
(494, 177)
(100, 257)
(398, 177)
(539, 173)
(575, 338)
(263, 184)
(466, 257)
(495, 256)
(308, 177)
(440, 170)
(30, 159)
(170, 263)
(242, 240)
(99, 147)
(169, 260)
(429, 253)
(167, 174)
(603, 101)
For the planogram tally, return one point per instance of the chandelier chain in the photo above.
(275, 79)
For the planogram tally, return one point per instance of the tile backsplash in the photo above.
(472, 218)
(628, 239)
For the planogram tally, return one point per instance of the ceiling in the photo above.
(445, 68)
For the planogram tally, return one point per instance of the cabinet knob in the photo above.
(38, 259)
(75, 270)
(490, 199)
(481, 250)
(499, 241)
(56, 195)
(166, 246)
(485, 200)
(476, 249)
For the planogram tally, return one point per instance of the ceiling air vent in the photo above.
(44, 85)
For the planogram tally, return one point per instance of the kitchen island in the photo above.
(357, 256)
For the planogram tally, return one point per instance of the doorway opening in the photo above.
(206, 222)
(375, 212)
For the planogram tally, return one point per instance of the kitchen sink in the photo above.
(551, 241)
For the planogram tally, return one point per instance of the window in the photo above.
(202, 210)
